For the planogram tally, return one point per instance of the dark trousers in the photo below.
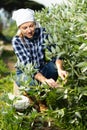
(50, 71)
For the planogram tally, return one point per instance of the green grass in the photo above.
(6, 84)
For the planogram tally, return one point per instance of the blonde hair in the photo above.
(19, 33)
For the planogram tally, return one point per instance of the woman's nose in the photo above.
(28, 28)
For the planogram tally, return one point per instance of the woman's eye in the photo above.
(24, 28)
(31, 26)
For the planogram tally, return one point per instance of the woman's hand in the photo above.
(62, 73)
(52, 83)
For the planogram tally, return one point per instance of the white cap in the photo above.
(23, 15)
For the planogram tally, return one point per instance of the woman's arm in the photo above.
(62, 73)
(44, 80)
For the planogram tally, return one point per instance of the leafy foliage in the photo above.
(67, 27)
(3, 68)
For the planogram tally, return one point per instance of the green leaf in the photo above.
(53, 50)
(78, 114)
(84, 69)
(55, 38)
(82, 64)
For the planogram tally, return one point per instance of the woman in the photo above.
(29, 48)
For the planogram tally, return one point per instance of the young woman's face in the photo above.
(28, 29)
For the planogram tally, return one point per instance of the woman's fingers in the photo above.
(52, 83)
(63, 74)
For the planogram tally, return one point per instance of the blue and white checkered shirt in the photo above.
(31, 50)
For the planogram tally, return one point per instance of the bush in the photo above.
(67, 26)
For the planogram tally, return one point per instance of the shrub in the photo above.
(67, 26)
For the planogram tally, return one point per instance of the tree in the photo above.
(15, 4)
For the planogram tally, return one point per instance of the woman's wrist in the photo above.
(59, 65)
(40, 78)
(44, 81)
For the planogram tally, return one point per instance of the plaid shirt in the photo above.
(31, 50)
